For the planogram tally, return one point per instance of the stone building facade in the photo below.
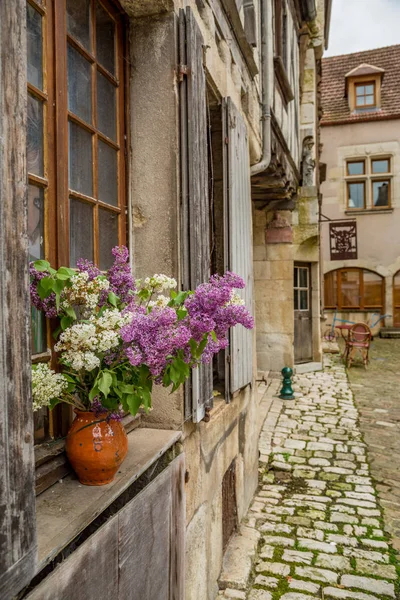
(213, 155)
(359, 133)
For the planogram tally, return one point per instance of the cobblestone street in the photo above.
(377, 396)
(315, 528)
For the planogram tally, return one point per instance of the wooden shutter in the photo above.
(195, 203)
(240, 241)
(17, 499)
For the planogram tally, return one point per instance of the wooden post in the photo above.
(17, 500)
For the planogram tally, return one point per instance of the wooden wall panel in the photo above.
(90, 572)
(17, 500)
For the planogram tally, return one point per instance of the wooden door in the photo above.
(302, 313)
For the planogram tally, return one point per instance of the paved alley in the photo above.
(377, 395)
(317, 525)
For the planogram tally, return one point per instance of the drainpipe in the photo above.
(267, 82)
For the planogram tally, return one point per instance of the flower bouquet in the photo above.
(117, 337)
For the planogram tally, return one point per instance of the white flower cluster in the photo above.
(80, 342)
(159, 283)
(84, 292)
(160, 302)
(46, 385)
(235, 300)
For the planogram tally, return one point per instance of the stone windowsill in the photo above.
(368, 211)
(68, 507)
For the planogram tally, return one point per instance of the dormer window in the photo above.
(363, 88)
(365, 95)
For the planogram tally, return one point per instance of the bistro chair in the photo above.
(358, 341)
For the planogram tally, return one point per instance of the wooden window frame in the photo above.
(299, 288)
(55, 136)
(377, 180)
(348, 183)
(396, 305)
(362, 306)
(355, 161)
(364, 84)
(368, 178)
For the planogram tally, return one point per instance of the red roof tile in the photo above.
(335, 105)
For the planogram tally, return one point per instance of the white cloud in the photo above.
(358, 25)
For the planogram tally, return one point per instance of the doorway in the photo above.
(303, 350)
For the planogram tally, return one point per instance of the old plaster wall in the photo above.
(377, 233)
(232, 432)
(273, 277)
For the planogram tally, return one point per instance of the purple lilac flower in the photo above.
(120, 275)
(87, 266)
(97, 407)
(48, 305)
(209, 309)
(154, 338)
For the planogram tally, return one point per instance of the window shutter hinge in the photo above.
(183, 71)
(228, 358)
(226, 140)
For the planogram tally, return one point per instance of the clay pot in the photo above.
(95, 448)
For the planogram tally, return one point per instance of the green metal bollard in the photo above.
(287, 391)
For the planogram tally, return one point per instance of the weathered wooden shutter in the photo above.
(17, 500)
(240, 241)
(195, 202)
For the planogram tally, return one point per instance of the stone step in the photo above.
(389, 332)
(238, 559)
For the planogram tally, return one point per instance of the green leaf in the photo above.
(214, 336)
(45, 287)
(181, 313)
(54, 402)
(41, 265)
(133, 401)
(112, 299)
(202, 345)
(104, 383)
(193, 347)
(58, 288)
(93, 392)
(65, 322)
(70, 312)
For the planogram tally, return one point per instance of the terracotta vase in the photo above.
(95, 448)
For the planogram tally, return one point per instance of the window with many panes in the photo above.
(365, 94)
(368, 183)
(354, 289)
(75, 142)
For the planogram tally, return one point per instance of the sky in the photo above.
(362, 25)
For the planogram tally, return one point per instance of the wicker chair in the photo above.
(358, 341)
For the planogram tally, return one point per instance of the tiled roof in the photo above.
(333, 87)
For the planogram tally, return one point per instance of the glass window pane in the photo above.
(296, 299)
(36, 252)
(355, 195)
(380, 193)
(330, 289)
(356, 168)
(350, 288)
(369, 89)
(360, 90)
(360, 101)
(396, 289)
(36, 222)
(34, 136)
(295, 277)
(380, 166)
(303, 299)
(78, 21)
(108, 237)
(79, 85)
(372, 289)
(369, 100)
(303, 277)
(107, 174)
(80, 160)
(106, 105)
(80, 231)
(34, 46)
(105, 34)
